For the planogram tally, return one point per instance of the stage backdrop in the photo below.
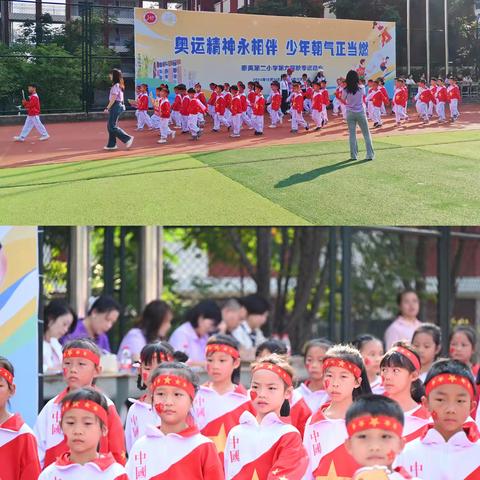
(187, 47)
(18, 314)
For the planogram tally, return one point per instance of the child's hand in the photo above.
(24, 102)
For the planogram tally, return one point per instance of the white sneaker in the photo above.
(111, 148)
(272, 126)
(162, 140)
(44, 137)
(129, 143)
(173, 134)
(18, 139)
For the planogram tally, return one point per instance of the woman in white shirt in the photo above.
(59, 319)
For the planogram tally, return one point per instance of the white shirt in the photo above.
(52, 355)
(243, 333)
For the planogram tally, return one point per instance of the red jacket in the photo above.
(195, 107)
(427, 96)
(386, 100)
(378, 98)
(228, 99)
(220, 105)
(453, 92)
(184, 108)
(441, 94)
(276, 101)
(213, 97)
(164, 108)
(317, 102)
(325, 97)
(309, 93)
(32, 105)
(259, 105)
(400, 97)
(142, 102)
(236, 105)
(338, 94)
(251, 97)
(201, 97)
(177, 103)
(298, 102)
(243, 100)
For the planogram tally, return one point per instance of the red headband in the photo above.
(338, 362)
(88, 406)
(216, 347)
(283, 374)
(449, 379)
(410, 355)
(82, 353)
(173, 381)
(6, 375)
(367, 422)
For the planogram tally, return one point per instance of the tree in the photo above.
(297, 8)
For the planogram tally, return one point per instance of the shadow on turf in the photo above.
(317, 172)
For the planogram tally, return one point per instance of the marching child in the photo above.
(195, 107)
(81, 365)
(453, 98)
(345, 379)
(449, 448)
(427, 341)
(369, 102)
(275, 101)
(243, 99)
(155, 118)
(185, 108)
(374, 426)
(297, 109)
(442, 98)
(236, 109)
(371, 349)
(175, 448)
(258, 110)
(33, 116)
(377, 100)
(284, 90)
(400, 368)
(386, 101)
(84, 423)
(423, 98)
(250, 97)
(176, 106)
(463, 342)
(308, 97)
(339, 103)
(201, 96)
(18, 446)
(219, 117)
(228, 103)
(317, 106)
(220, 402)
(433, 90)
(264, 446)
(399, 102)
(325, 101)
(142, 108)
(211, 100)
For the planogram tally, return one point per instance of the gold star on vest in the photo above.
(255, 475)
(220, 439)
(332, 474)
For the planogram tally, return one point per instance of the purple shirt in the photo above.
(81, 332)
(355, 101)
(134, 340)
(185, 339)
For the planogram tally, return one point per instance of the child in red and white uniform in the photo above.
(423, 98)
(449, 448)
(386, 100)
(338, 101)
(251, 95)
(185, 108)
(377, 99)
(275, 102)
(368, 99)
(264, 446)
(220, 402)
(258, 110)
(228, 103)
(84, 423)
(243, 100)
(33, 116)
(399, 102)
(371, 349)
(176, 106)
(441, 96)
(400, 369)
(155, 118)
(325, 101)
(312, 390)
(427, 341)
(195, 107)
(236, 109)
(296, 109)
(433, 90)
(307, 103)
(345, 379)
(176, 448)
(201, 96)
(220, 106)
(211, 100)
(81, 364)
(374, 426)
(163, 106)
(141, 414)
(142, 108)
(18, 446)
(462, 345)
(454, 98)
(317, 105)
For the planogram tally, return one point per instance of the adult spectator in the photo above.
(100, 318)
(191, 337)
(152, 326)
(404, 326)
(59, 318)
(232, 315)
(320, 77)
(409, 80)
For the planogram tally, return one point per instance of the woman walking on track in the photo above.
(353, 94)
(114, 108)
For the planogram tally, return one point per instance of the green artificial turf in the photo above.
(415, 179)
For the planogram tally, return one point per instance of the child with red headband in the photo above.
(345, 379)
(264, 446)
(400, 370)
(81, 365)
(18, 446)
(84, 423)
(140, 414)
(220, 402)
(174, 449)
(449, 448)
(374, 426)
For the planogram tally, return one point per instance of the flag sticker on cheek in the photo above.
(435, 415)
(391, 456)
(326, 383)
(145, 376)
(253, 395)
(367, 362)
(159, 407)
(451, 350)
(65, 371)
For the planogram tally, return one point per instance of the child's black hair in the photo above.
(257, 85)
(361, 340)
(178, 369)
(352, 355)
(86, 343)
(396, 359)
(241, 85)
(212, 84)
(220, 86)
(374, 405)
(161, 352)
(7, 365)
(234, 88)
(104, 304)
(33, 85)
(273, 346)
(321, 342)
(56, 308)
(89, 394)
(454, 367)
(191, 90)
(221, 339)
(434, 331)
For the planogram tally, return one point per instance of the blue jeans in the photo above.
(114, 131)
(352, 119)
